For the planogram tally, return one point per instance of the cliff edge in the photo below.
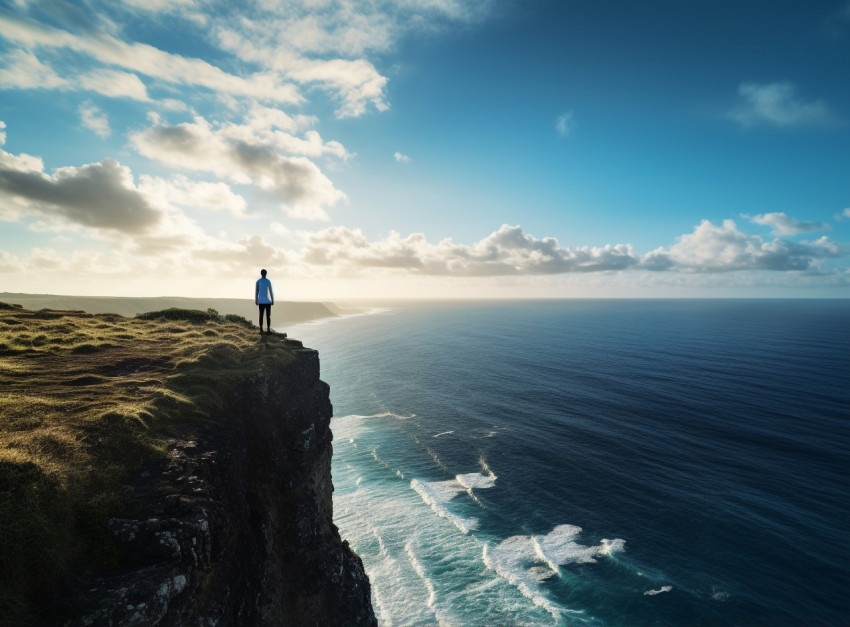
(219, 512)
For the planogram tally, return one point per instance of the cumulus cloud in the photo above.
(781, 224)
(777, 104)
(98, 195)
(724, 248)
(181, 191)
(275, 129)
(94, 119)
(246, 251)
(508, 251)
(294, 181)
(565, 124)
(400, 158)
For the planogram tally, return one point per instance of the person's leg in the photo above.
(269, 318)
(261, 318)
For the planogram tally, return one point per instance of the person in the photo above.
(264, 297)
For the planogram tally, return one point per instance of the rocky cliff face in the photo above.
(237, 529)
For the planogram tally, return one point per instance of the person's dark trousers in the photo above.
(268, 310)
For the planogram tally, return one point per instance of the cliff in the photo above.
(227, 519)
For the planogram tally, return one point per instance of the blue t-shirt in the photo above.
(264, 292)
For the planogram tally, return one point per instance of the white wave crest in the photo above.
(439, 615)
(484, 467)
(436, 493)
(504, 559)
(659, 591)
(525, 561)
(476, 480)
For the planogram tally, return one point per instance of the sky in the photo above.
(425, 148)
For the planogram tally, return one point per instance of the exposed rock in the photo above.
(237, 528)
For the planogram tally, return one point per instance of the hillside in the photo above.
(108, 423)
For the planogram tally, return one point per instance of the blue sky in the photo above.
(495, 148)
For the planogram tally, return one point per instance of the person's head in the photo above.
(263, 273)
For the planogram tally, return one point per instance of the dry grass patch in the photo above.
(86, 399)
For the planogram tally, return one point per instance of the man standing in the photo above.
(264, 297)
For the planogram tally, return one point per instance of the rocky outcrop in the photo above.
(237, 528)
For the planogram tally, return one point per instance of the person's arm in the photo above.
(257, 293)
(271, 293)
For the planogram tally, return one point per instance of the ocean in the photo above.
(595, 462)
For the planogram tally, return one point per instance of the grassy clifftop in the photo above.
(85, 400)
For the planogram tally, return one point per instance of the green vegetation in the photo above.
(87, 399)
(195, 316)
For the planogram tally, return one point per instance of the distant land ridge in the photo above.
(167, 472)
(284, 313)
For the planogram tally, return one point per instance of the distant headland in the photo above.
(285, 313)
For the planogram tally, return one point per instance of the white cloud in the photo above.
(357, 83)
(2, 133)
(710, 249)
(310, 43)
(179, 190)
(352, 28)
(296, 182)
(506, 259)
(23, 70)
(148, 60)
(565, 124)
(724, 248)
(94, 119)
(162, 6)
(781, 224)
(400, 158)
(777, 104)
(326, 43)
(507, 251)
(846, 212)
(264, 125)
(279, 229)
(98, 195)
(114, 84)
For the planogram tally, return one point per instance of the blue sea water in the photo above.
(622, 463)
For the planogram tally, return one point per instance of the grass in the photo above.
(87, 399)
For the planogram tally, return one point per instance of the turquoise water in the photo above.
(595, 462)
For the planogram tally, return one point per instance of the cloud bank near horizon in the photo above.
(143, 221)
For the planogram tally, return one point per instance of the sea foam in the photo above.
(526, 561)
(436, 494)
